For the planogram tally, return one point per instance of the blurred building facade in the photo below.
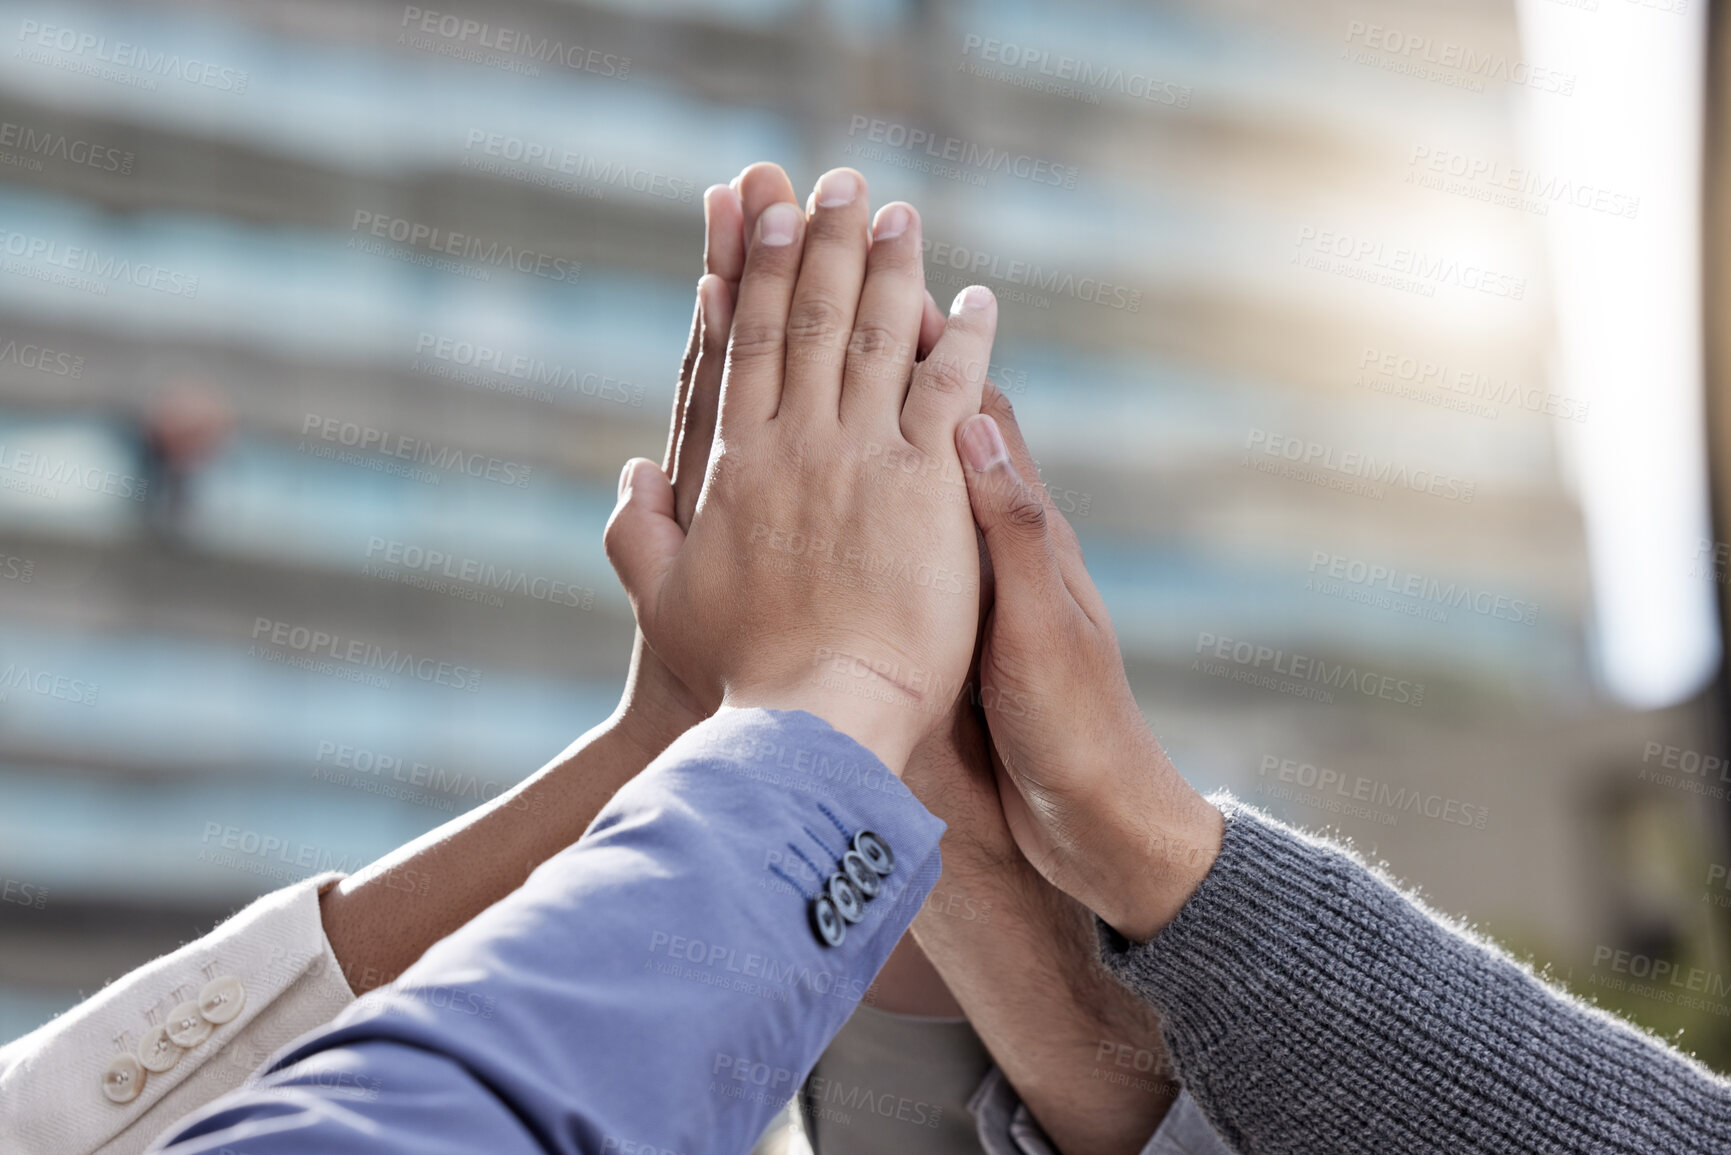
(324, 328)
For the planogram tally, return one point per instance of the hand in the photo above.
(1022, 960)
(1086, 789)
(656, 707)
(827, 568)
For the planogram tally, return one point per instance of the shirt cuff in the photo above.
(1007, 1127)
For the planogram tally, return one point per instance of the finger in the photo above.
(751, 385)
(886, 328)
(1012, 518)
(697, 431)
(682, 392)
(931, 327)
(724, 255)
(1067, 546)
(724, 234)
(946, 386)
(642, 538)
(826, 297)
(760, 185)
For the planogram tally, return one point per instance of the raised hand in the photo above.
(1086, 789)
(831, 565)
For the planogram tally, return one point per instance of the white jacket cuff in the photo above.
(66, 1089)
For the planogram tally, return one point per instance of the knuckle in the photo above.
(874, 340)
(755, 340)
(1025, 513)
(944, 376)
(816, 318)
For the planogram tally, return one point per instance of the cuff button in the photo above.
(875, 851)
(825, 922)
(187, 1026)
(846, 897)
(859, 872)
(123, 1079)
(221, 999)
(158, 1052)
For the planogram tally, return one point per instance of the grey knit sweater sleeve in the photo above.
(1310, 1006)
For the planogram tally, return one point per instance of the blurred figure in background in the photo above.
(181, 429)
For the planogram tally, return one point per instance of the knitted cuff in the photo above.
(1311, 1006)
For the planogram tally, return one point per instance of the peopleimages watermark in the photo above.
(20, 678)
(256, 852)
(41, 358)
(823, 558)
(1360, 797)
(546, 166)
(1291, 672)
(39, 474)
(1692, 769)
(1139, 1068)
(375, 772)
(1712, 561)
(1408, 270)
(121, 61)
(1399, 374)
(465, 577)
(1716, 874)
(306, 647)
(748, 972)
(1666, 981)
(1038, 70)
(1511, 186)
(1348, 470)
(1040, 282)
(402, 447)
(26, 147)
(518, 374)
(1446, 61)
(20, 893)
(1389, 587)
(429, 245)
(922, 151)
(513, 49)
(86, 270)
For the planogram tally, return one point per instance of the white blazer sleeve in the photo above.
(82, 1084)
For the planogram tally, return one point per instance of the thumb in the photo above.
(643, 538)
(1011, 515)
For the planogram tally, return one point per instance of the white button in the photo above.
(187, 1025)
(123, 1079)
(158, 1052)
(221, 999)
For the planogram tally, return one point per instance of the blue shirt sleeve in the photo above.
(656, 988)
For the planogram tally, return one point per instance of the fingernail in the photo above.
(982, 444)
(892, 223)
(778, 224)
(624, 480)
(972, 297)
(837, 187)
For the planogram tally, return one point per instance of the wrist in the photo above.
(888, 730)
(654, 709)
(1153, 866)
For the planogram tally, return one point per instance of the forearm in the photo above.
(1083, 1054)
(1302, 994)
(383, 918)
(659, 943)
